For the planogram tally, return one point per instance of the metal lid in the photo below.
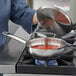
(52, 18)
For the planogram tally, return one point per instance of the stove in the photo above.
(66, 65)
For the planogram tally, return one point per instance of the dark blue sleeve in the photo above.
(22, 14)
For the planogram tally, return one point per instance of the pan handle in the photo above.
(69, 35)
(74, 26)
(14, 37)
(71, 48)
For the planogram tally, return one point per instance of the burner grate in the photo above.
(66, 66)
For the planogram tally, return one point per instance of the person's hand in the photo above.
(35, 19)
(44, 16)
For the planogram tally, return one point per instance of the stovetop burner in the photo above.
(66, 66)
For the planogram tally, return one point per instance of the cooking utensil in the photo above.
(55, 19)
(44, 48)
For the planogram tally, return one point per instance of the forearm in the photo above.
(23, 15)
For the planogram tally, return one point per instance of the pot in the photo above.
(44, 48)
(55, 19)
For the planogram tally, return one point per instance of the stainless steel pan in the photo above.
(40, 53)
(55, 19)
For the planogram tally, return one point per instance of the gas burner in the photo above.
(66, 66)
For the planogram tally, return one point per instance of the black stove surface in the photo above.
(66, 66)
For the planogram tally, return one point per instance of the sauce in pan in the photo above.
(46, 47)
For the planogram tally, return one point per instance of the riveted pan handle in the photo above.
(14, 37)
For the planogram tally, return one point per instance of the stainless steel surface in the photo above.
(69, 35)
(41, 53)
(56, 13)
(52, 18)
(14, 37)
(9, 56)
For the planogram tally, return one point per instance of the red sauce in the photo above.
(46, 47)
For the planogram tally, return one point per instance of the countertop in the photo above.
(10, 55)
(12, 52)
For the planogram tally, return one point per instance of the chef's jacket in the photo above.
(17, 11)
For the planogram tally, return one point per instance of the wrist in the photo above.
(35, 19)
